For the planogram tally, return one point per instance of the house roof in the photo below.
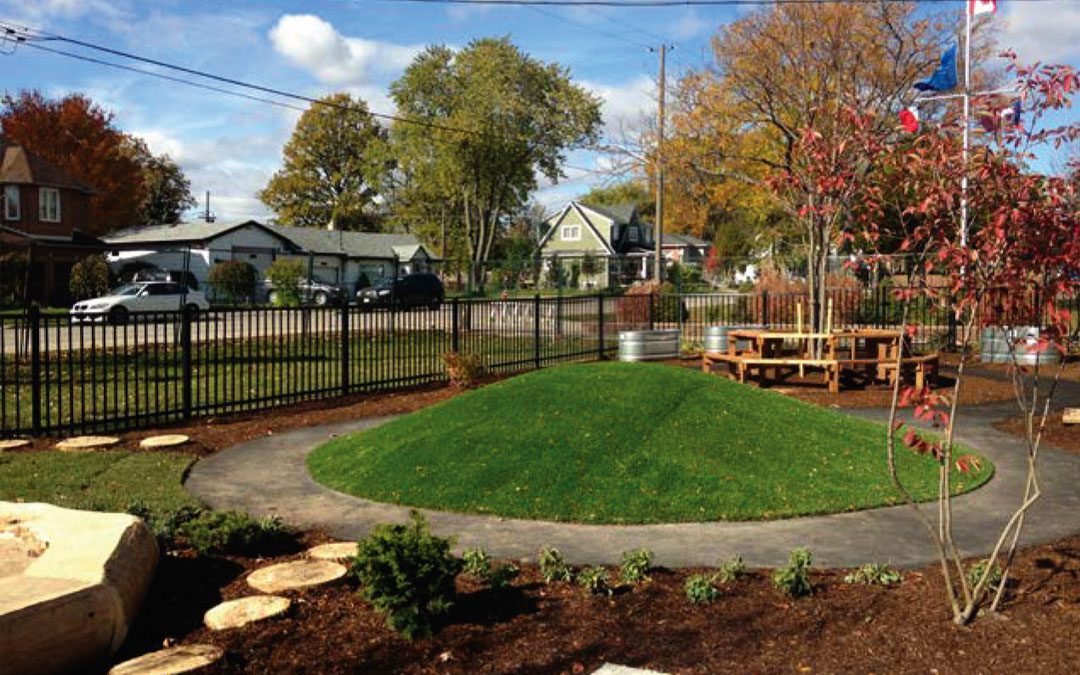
(18, 165)
(676, 239)
(179, 232)
(620, 213)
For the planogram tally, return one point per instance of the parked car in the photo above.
(311, 293)
(175, 276)
(411, 290)
(145, 296)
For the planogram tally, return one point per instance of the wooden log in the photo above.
(1070, 416)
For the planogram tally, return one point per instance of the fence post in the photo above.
(652, 301)
(536, 330)
(765, 310)
(345, 348)
(600, 326)
(33, 315)
(185, 357)
(454, 326)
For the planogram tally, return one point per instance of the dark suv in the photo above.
(411, 290)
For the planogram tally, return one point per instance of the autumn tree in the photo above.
(329, 174)
(484, 123)
(166, 190)
(79, 137)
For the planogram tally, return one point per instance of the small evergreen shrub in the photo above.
(408, 574)
(476, 563)
(636, 565)
(873, 575)
(285, 275)
(976, 571)
(794, 579)
(503, 575)
(732, 570)
(700, 589)
(594, 580)
(464, 369)
(552, 566)
(165, 525)
(235, 532)
(89, 278)
(235, 280)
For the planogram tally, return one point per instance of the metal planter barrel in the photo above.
(716, 338)
(995, 344)
(648, 345)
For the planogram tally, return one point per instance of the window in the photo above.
(49, 211)
(11, 202)
(571, 232)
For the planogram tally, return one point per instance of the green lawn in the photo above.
(625, 443)
(100, 481)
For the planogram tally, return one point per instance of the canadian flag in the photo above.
(909, 120)
(977, 7)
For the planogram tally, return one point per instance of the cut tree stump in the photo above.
(1070, 416)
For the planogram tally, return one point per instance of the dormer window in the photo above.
(571, 233)
(49, 205)
(12, 207)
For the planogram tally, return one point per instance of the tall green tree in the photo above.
(497, 119)
(166, 190)
(626, 192)
(328, 174)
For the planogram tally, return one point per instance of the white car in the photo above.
(140, 296)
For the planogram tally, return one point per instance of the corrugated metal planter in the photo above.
(648, 345)
(716, 338)
(995, 342)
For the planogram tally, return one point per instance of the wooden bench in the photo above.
(924, 367)
(740, 365)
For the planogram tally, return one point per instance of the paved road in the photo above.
(268, 476)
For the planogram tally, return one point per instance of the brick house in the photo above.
(43, 215)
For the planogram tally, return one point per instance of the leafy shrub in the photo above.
(476, 563)
(285, 275)
(89, 278)
(594, 580)
(235, 532)
(874, 575)
(235, 280)
(503, 575)
(732, 570)
(701, 589)
(976, 572)
(552, 566)
(165, 525)
(463, 368)
(13, 278)
(794, 579)
(408, 574)
(649, 299)
(635, 566)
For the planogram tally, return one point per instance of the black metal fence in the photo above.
(60, 377)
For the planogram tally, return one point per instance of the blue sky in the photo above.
(231, 146)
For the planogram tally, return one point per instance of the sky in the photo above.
(231, 146)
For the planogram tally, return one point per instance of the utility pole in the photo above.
(658, 262)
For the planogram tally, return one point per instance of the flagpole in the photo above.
(967, 126)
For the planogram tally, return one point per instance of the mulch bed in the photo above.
(1057, 434)
(531, 628)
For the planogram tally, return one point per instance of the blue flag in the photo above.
(944, 78)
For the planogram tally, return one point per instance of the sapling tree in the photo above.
(1018, 264)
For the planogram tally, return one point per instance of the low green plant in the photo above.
(235, 532)
(234, 280)
(594, 580)
(408, 574)
(285, 275)
(794, 579)
(503, 575)
(636, 565)
(701, 589)
(165, 524)
(476, 563)
(732, 570)
(89, 278)
(552, 566)
(464, 369)
(874, 575)
(976, 572)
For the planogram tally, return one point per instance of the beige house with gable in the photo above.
(614, 238)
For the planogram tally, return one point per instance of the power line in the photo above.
(591, 29)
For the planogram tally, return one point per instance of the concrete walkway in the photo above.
(268, 476)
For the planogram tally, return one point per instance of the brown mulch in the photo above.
(1056, 433)
(531, 628)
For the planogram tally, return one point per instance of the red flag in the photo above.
(909, 119)
(977, 7)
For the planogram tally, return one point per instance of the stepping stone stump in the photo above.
(337, 552)
(186, 659)
(239, 613)
(166, 441)
(87, 442)
(13, 443)
(296, 575)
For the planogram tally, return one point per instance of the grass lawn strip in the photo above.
(626, 443)
(100, 481)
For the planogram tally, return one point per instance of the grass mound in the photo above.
(626, 443)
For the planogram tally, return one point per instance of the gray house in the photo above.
(333, 256)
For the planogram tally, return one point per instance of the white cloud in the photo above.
(46, 11)
(315, 45)
(626, 104)
(1042, 31)
(689, 25)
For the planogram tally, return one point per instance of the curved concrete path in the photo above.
(268, 476)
